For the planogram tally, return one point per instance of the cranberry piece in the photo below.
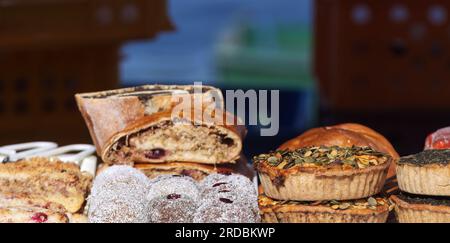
(219, 184)
(155, 153)
(173, 196)
(39, 217)
(227, 141)
(225, 200)
(224, 191)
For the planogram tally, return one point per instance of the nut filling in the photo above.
(172, 141)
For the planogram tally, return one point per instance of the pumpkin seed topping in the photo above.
(347, 157)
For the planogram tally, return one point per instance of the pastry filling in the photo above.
(426, 157)
(169, 141)
(195, 174)
(333, 156)
(419, 199)
(366, 203)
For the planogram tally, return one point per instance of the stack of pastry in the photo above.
(41, 190)
(424, 181)
(137, 126)
(327, 175)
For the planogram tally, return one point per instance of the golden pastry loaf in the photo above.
(344, 135)
(109, 112)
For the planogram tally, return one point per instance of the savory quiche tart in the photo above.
(322, 173)
(370, 210)
(425, 173)
(421, 209)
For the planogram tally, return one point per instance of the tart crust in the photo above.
(315, 184)
(298, 213)
(420, 213)
(429, 179)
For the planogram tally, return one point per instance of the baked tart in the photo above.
(322, 173)
(425, 173)
(421, 209)
(371, 210)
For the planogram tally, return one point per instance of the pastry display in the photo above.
(163, 137)
(127, 105)
(421, 209)
(368, 210)
(47, 180)
(425, 173)
(119, 196)
(322, 173)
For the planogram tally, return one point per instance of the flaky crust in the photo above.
(343, 135)
(237, 132)
(297, 213)
(314, 184)
(420, 213)
(240, 167)
(430, 179)
(109, 112)
(46, 179)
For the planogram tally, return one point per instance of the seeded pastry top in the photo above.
(432, 156)
(333, 156)
(366, 203)
(419, 199)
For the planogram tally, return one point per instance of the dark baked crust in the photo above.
(109, 112)
(274, 212)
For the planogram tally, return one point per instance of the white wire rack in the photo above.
(80, 154)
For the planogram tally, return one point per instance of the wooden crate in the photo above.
(37, 91)
(372, 54)
(25, 23)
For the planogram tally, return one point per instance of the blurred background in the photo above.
(385, 64)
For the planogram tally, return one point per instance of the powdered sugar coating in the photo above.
(224, 210)
(215, 183)
(172, 210)
(118, 195)
(165, 185)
